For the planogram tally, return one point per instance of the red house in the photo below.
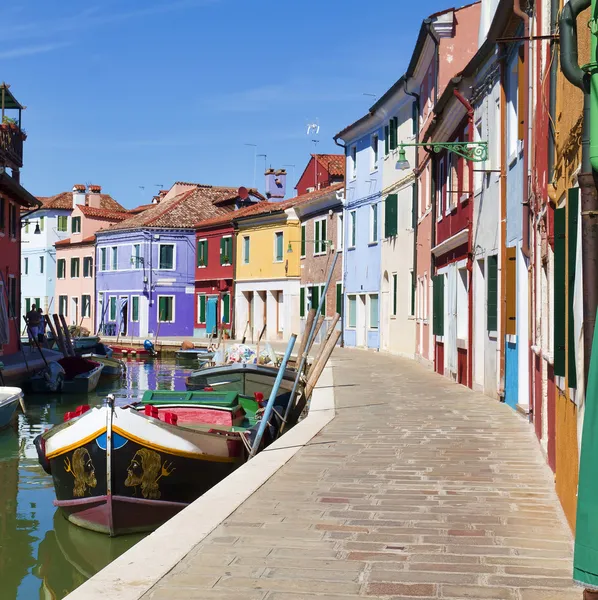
(13, 198)
(321, 171)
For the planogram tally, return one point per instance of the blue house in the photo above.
(362, 218)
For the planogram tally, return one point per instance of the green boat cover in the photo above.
(221, 399)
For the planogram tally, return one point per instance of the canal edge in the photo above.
(135, 572)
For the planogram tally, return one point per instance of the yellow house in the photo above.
(267, 270)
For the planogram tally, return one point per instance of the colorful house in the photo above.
(214, 272)
(145, 266)
(322, 170)
(75, 273)
(322, 229)
(13, 198)
(40, 232)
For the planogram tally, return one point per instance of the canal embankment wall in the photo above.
(135, 572)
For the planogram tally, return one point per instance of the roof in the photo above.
(64, 200)
(227, 218)
(183, 211)
(141, 208)
(9, 100)
(104, 213)
(334, 163)
(264, 208)
(88, 240)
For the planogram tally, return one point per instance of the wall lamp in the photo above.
(37, 230)
(471, 151)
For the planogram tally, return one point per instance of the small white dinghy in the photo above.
(9, 399)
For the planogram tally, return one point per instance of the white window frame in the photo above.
(199, 241)
(352, 219)
(88, 315)
(354, 161)
(230, 257)
(199, 297)
(173, 307)
(448, 185)
(104, 264)
(112, 266)
(340, 232)
(369, 312)
(274, 259)
(110, 320)
(173, 257)
(73, 258)
(303, 237)
(318, 239)
(90, 276)
(65, 313)
(374, 239)
(135, 263)
(374, 145)
(138, 308)
(348, 309)
(246, 249)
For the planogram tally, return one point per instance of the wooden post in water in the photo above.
(67, 336)
(59, 335)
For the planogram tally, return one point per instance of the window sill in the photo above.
(351, 248)
(493, 335)
(302, 257)
(374, 170)
(411, 318)
(277, 262)
(372, 243)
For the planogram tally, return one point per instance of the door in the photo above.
(143, 317)
(124, 314)
(480, 303)
(75, 311)
(211, 315)
(385, 312)
(279, 314)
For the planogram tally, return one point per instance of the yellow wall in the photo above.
(261, 251)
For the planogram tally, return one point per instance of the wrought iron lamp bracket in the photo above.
(471, 151)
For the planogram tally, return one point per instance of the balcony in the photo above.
(11, 134)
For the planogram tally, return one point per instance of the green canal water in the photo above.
(43, 556)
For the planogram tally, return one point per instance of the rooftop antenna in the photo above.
(254, 146)
(371, 95)
(265, 160)
(313, 127)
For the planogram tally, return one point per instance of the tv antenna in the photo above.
(313, 127)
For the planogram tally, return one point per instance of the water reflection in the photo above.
(41, 554)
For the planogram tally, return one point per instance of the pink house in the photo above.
(75, 269)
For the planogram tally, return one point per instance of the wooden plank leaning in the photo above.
(67, 336)
(60, 335)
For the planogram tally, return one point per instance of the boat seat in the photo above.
(222, 399)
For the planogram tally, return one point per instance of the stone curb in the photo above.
(135, 572)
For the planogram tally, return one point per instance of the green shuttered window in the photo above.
(112, 308)
(573, 202)
(302, 302)
(438, 305)
(303, 236)
(339, 298)
(492, 293)
(386, 139)
(391, 221)
(226, 308)
(395, 285)
(202, 253)
(202, 308)
(560, 222)
(135, 308)
(226, 250)
(61, 267)
(166, 309)
(166, 256)
(278, 246)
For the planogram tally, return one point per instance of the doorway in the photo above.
(124, 315)
(385, 312)
(479, 323)
(75, 310)
(211, 315)
(143, 316)
(361, 321)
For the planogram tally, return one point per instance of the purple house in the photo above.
(145, 265)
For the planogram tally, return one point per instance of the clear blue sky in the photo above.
(127, 93)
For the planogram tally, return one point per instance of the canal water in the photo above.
(42, 555)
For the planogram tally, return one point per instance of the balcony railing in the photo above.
(11, 146)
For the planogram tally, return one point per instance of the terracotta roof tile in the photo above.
(333, 163)
(140, 209)
(104, 213)
(64, 201)
(228, 217)
(88, 240)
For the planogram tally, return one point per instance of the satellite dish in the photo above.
(243, 193)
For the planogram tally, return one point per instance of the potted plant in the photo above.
(226, 260)
(226, 334)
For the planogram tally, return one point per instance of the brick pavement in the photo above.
(418, 489)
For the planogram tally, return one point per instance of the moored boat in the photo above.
(9, 400)
(85, 342)
(112, 366)
(120, 470)
(69, 375)
(194, 354)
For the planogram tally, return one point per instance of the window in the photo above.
(340, 233)
(450, 183)
(12, 296)
(441, 197)
(462, 286)
(438, 305)
(339, 298)
(226, 250)
(86, 306)
(74, 268)
(41, 264)
(374, 144)
(373, 311)
(353, 162)
(492, 292)
(373, 223)
(26, 226)
(87, 266)
(301, 302)
(61, 268)
(63, 222)
(63, 302)
(113, 308)
(166, 257)
(134, 309)
(103, 258)
(25, 266)
(413, 284)
(114, 258)
(353, 232)
(202, 253)
(201, 308)
(2, 213)
(395, 281)
(386, 140)
(278, 246)
(41, 223)
(315, 295)
(303, 237)
(166, 309)
(323, 298)
(27, 305)
(226, 308)
(320, 236)
(136, 256)
(37, 302)
(12, 220)
(391, 217)
(246, 249)
(352, 310)
(76, 225)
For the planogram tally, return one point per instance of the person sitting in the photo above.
(33, 323)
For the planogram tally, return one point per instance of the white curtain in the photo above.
(450, 345)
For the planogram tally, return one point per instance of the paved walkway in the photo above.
(418, 489)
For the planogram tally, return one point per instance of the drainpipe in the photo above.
(589, 164)
(470, 120)
(503, 227)
(554, 10)
(525, 233)
(342, 319)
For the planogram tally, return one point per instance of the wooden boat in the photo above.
(112, 366)
(9, 400)
(241, 378)
(194, 354)
(129, 351)
(69, 375)
(129, 469)
(85, 342)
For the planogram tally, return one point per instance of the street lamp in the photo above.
(37, 230)
(471, 151)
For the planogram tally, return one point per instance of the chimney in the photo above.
(276, 184)
(78, 195)
(94, 198)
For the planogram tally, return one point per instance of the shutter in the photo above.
(353, 228)
(204, 252)
(72, 267)
(394, 293)
(226, 308)
(573, 215)
(323, 244)
(391, 215)
(323, 311)
(386, 139)
(438, 307)
(302, 302)
(162, 309)
(339, 298)
(492, 294)
(302, 240)
(511, 291)
(317, 237)
(222, 250)
(393, 134)
(202, 309)
(315, 298)
(521, 91)
(27, 305)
